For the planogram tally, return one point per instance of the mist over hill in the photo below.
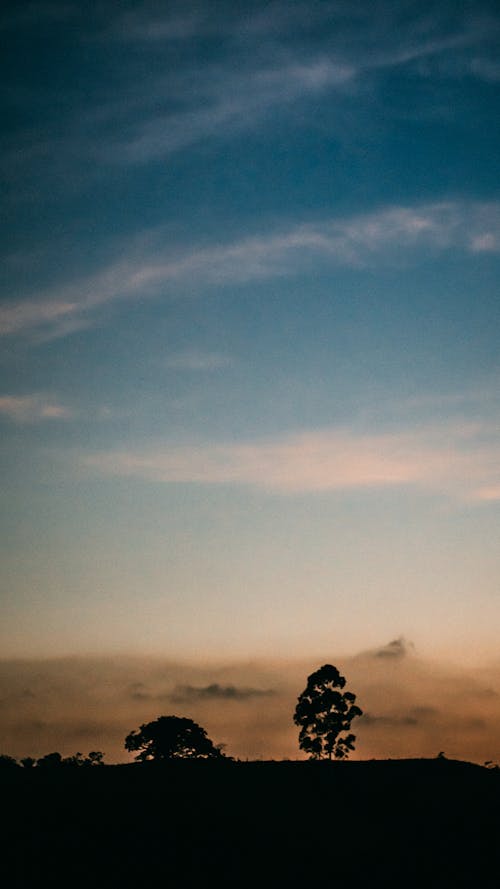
(412, 707)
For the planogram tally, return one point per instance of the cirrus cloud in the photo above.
(392, 235)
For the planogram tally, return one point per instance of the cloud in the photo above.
(460, 461)
(488, 493)
(139, 120)
(136, 26)
(415, 717)
(487, 69)
(225, 110)
(274, 57)
(273, 63)
(196, 360)
(31, 408)
(390, 235)
(187, 693)
(398, 648)
(390, 721)
(486, 242)
(420, 717)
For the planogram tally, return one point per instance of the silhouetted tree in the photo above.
(28, 762)
(7, 763)
(50, 761)
(73, 761)
(324, 715)
(171, 737)
(55, 760)
(95, 758)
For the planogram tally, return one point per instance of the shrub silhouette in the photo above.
(324, 715)
(171, 737)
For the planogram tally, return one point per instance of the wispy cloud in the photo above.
(138, 124)
(235, 70)
(394, 234)
(136, 26)
(225, 110)
(32, 408)
(486, 68)
(457, 461)
(270, 60)
(268, 64)
(197, 360)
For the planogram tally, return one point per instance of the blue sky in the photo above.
(250, 326)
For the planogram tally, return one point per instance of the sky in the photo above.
(249, 360)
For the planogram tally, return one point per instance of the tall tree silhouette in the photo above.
(324, 714)
(171, 737)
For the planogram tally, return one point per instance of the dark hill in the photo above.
(429, 823)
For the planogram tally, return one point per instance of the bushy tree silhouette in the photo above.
(324, 715)
(7, 763)
(50, 761)
(171, 737)
(95, 758)
(55, 760)
(28, 762)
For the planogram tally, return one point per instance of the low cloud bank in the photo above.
(411, 707)
(187, 693)
(397, 648)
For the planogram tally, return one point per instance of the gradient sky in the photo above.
(250, 321)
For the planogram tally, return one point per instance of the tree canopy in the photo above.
(55, 760)
(171, 737)
(324, 714)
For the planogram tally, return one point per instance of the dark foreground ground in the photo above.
(425, 823)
